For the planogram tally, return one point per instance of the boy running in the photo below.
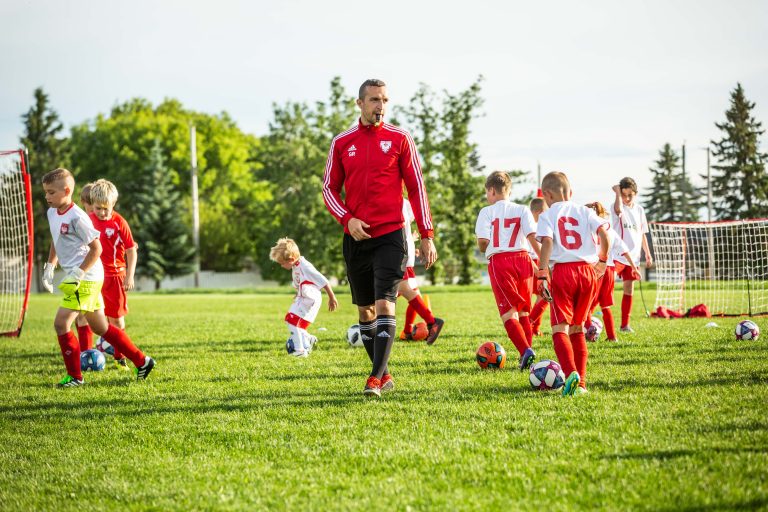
(504, 229)
(76, 244)
(565, 232)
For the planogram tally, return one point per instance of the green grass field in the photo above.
(677, 418)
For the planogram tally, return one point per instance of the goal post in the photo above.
(721, 264)
(16, 241)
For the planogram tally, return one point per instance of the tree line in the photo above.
(254, 190)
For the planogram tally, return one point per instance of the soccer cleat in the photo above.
(571, 384)
(70, 382)
(536, 332)
(614, 340)
(299, 353)
(527, 359)
(580, 391)
(434, 330)
(387, 383)
(143, 372)
(627, 329)
(312, 343)
(407, 336)
(372, 387)
(122, 364)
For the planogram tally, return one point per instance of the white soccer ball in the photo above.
(747, 330)
(103, 346)
(546, 375)
(353, 336)
(594, 330)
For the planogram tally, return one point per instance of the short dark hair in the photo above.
(371, 82)
(57, 174)
(628, 183)
(500, 182)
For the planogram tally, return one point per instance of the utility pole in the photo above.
(683, 198)
(195, 205)
(709, 189)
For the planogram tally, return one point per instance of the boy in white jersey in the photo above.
(565, 232)
(409, 288)
(628, 219)
(76, 245)
(616, 248)
(504, 229)
(308, 283)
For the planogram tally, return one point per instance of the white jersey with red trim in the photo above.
(505, 225)
(410, 245)
(72, 231)
(571, 228)
(303, 273)
(631, 226)
(616, 246)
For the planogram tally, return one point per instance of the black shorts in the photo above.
(375, 266)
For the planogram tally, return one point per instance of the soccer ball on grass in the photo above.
(353, 336)
(104, 346)
(594, 329)
(546, 375)
(491, 355)
(747, 330)
(92, 360)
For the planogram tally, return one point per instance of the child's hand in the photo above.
(332, 303)
(616, 189)
(128, 284)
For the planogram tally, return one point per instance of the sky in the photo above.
(592, 88)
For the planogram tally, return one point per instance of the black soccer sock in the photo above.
(385, 337)
(367, 332)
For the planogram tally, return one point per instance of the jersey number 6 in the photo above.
(507, 223)
(569, 238)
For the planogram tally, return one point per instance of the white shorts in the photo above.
(307, 303)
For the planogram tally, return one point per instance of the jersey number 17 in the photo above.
(514, 223)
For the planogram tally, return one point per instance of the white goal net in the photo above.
(721, 264)
(16, 241)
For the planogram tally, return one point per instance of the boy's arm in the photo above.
(71, 281)
(648, 257)
(482, 244)
(48, 269)
(130, 267)
(602, 253)
(332, 302)
(543, 272)
(617, 201)
(534, 244)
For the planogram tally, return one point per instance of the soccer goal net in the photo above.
(16, 241)
(721, 264)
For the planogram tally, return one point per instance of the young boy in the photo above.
(502, 230)
(537, 206)
(76, 244)
(408, 287)
(565, 232)
(118, 256)
(628, 218)
(308, 283)
(84, 334)
(616, 248)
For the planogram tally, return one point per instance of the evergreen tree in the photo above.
(740, 183)
(165, 244)
(672, 197)
(47, 151)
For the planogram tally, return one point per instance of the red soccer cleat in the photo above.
(434, 330)
(387, 383)
(372, 387)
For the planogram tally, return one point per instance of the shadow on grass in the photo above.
(630, 384)
(754, 504)
(664, 455)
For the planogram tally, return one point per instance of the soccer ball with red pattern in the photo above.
(420, 331)
(103, 346)
(747, 330)
(491, 355)
(594, 330)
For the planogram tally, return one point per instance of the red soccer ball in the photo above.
(491, 355)
(420, 331)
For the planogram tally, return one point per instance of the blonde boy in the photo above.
(308, 283)
(118, 256)
(566, 233)
(504, 231)
(77, 247)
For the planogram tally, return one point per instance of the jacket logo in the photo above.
(351, 149)
(109, 232)
(64, 229)
(385, 145)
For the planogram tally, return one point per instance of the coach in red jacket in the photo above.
(371, 161)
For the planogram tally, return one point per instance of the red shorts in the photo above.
(605, 289)
(511, 276)
(115, 301)
(624, 272)
(574, 286)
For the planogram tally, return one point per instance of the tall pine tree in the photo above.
(165, 244)
(740, 183)
(672, 197)
(47, 151)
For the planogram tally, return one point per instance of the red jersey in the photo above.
(115, 239)
(371, 163)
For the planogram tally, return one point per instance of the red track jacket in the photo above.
(371, 163)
